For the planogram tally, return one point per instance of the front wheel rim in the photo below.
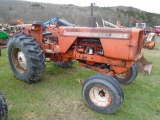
(100, 96)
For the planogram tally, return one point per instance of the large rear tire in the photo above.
(3, 108)
(128, 76)
(103, 93)
(26, 58)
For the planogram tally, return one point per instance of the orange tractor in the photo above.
(110, 51)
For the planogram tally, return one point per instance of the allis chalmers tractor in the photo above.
(110, 51)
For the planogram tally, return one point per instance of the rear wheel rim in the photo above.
(19, 60)
(100, 96)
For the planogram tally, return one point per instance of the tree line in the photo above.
(28, 12)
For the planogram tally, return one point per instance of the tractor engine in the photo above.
(90, 46)
(90, 49)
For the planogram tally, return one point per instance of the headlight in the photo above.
(33, 27)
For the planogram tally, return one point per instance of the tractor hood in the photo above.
(96, 32)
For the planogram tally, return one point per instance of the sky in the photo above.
(145, 5)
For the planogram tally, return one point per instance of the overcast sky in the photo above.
(146, 5)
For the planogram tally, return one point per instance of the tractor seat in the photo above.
(43, 28)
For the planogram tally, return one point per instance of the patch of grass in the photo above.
(58, 95)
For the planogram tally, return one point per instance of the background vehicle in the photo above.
(157, 30)
(141, 25)
(3, 108)
(6, 31)
(149, 35)
(110, 51)
(3, 39)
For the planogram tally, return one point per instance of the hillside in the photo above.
(12, 10)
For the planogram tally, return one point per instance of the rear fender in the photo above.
(34, 30)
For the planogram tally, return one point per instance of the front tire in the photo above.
(103, 93)
(3, 108)
(26, 58)
(128, 76)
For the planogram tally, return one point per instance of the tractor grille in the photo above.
(139, 43)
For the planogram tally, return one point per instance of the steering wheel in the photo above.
(50, 23)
